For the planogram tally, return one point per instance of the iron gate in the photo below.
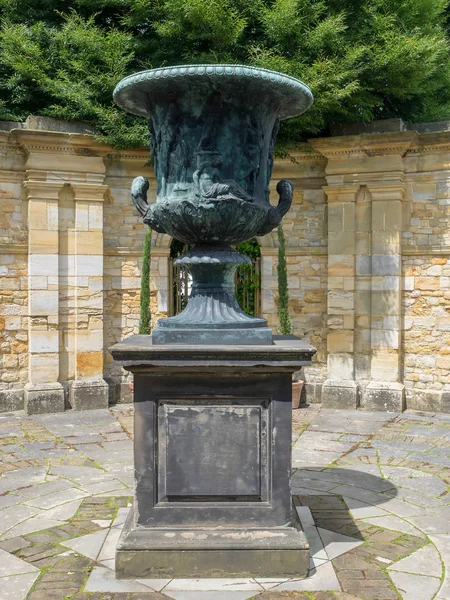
(247, 286)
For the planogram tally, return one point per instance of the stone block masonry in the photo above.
(368, 259)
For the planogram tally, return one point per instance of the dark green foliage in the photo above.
(145, 316)
(285, 327)
(248, 280)
(178, 248)
(363, 59)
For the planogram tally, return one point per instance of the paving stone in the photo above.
(16, 587)
(88, 545)
(415, 587)
(222, 595)
(109, 547)
(14, 544)
(431, 459)
(63, 512)
(359, 510)
(368, 496)
(324, 578)
(305, 516)
(9, 517)
(208, 585)
(11, 565)
(425, 561)
(55, 576)
(429, 486)
(267, 583)
(442, 543)
(400, 507)
(103, 580)
(432, 524)
(319, 443)
(50, 552)
(345, 526)
(336, 544)
(31, 525)
(47, 502)
(396, 523)
(121, 517)
(41, 538)
(316, 549)
(51, 561)
(75, 584)
(29, 475)
(72, 531)
(52, 594)
(43, 489)
(32, 551)
(299, 481)
(279, 596)
(324, 503)
(309, 492)
(78, 563)
(10, 500)
(310, 457)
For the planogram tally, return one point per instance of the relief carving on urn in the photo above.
(213, 130)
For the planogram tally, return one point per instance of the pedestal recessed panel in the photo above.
(213, 447)
(200, 451)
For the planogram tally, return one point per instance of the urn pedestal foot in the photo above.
(212, 453)
(212, 314)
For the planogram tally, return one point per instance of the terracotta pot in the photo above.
(296, 393)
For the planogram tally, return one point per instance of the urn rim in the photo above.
(131, 92)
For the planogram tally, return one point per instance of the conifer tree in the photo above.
(283, 290)
(145, 316)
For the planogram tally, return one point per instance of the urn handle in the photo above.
(285, 190)
(139, 189)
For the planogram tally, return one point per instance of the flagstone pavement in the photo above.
(371, 491)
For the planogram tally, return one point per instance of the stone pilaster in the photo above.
(43, 392)
(60, 171)
(363, 286)
(88, 390)
(385, 392)
(159, 283)
(340, 390)
(269, 285)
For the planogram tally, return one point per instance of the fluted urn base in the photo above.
(212, 315)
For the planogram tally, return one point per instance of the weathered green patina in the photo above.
(213, 131)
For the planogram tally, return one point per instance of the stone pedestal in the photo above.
(212, 461)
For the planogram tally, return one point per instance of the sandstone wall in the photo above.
(368, 255)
